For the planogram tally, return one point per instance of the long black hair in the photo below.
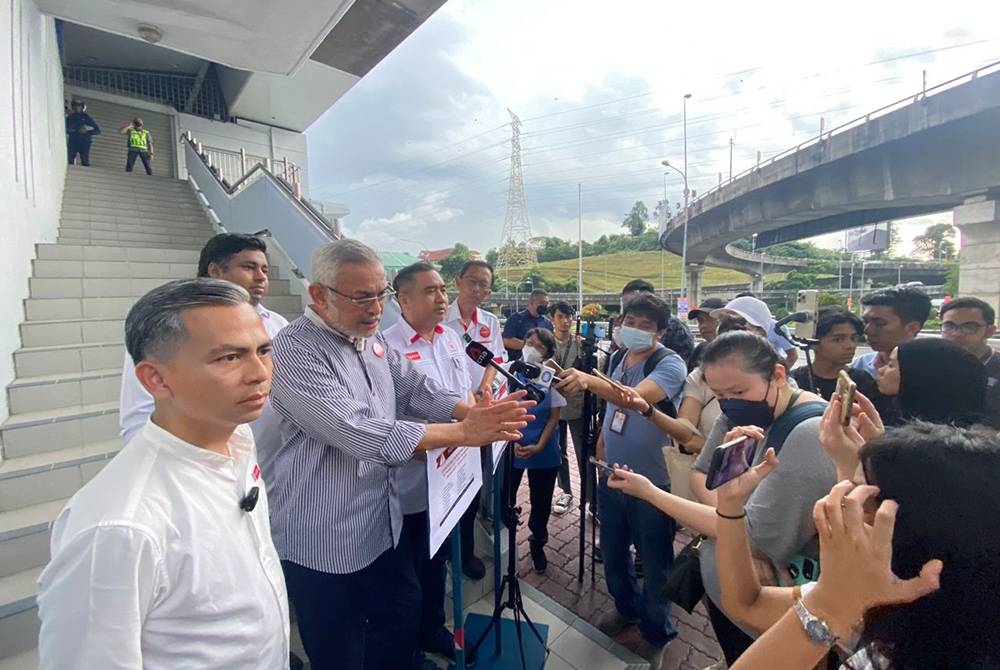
(940, 382)
(945, 482)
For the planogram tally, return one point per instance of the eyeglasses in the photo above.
(478, 285)
(967, 328)
(386, 293)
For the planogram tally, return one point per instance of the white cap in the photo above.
(754, 311)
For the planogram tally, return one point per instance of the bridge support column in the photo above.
(979, 260)
(694, 281)
(757, 284)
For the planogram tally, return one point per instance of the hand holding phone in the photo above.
(846, 388)
(602, 466)
(729, 461)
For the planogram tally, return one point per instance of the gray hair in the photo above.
(326, 261)
(154, 326)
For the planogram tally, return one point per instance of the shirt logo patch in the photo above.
(256, 472)
(413, 355)
(378, 350)
(484, 331)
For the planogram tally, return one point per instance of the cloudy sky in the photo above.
(419, 150)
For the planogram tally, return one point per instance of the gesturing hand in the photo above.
(572, 382)
(489, 420)
(857, 559)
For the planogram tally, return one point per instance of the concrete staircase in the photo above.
(120, 235)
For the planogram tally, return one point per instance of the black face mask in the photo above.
(542, 309)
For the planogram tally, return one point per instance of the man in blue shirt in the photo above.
(519, 323)
(629, 438)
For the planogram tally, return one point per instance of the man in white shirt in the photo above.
(469, 320)
(164, 559)
(241, 259)
(439, 353)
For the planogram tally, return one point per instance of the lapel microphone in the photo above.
(250, 501)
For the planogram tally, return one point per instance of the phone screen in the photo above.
(729, 461)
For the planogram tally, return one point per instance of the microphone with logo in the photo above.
(484, 357)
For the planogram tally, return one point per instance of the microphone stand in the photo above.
(509, 515)
(587, 361)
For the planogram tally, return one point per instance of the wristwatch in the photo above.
(816, 629)
(649, 410)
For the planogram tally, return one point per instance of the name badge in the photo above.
(618, 422)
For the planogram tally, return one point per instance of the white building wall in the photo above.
(32, 160)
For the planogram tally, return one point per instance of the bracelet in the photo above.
(732, 518)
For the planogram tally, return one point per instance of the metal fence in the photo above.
(233, 166)
(175, 90)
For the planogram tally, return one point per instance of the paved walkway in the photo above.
(695, 646)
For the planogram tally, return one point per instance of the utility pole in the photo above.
(579, 224)
(516, 245)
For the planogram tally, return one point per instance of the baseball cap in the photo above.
(754, 311)
(706, 307)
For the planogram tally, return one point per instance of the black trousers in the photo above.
(364, 620)
(431, 574)
(541, 484)
(731, 637)
(78, 145)
(141, 155)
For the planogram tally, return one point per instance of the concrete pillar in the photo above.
(979, 260)
(756, 284)
(694, 280)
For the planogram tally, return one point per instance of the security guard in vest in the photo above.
(140, 144)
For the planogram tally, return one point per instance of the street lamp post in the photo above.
(687, 192)
(664, 212)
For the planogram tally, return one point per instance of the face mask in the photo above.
(616, 336)
(531, 355)
(543, 310)
(742, 412)
(634, 339)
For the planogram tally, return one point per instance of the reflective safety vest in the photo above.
(138, 139)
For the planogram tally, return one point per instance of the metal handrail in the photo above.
(881, 111)
(260, 170)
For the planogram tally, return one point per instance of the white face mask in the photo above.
(635, 339)
(531, 355)
(616, 336)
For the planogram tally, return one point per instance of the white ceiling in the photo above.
(95, 48)
(256, 35)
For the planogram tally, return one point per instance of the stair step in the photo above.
(45, 392)
(52, 475)
(62, 251)
(71, 331)
(91, 287)
(69, 358)
(19, 622)
(84, 235)
(142, 226)
(112, 269)
(129, 244)
(38, 432)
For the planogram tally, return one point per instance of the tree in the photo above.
(937, 242)
(491, 257)
(635, 222)
(452, 264)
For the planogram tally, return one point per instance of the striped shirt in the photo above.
(332, 481)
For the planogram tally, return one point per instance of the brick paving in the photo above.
(694, 648)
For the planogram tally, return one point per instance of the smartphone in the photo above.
(601, 465)
(555, 366)
(846, 388)
(730, 460)
(807, 301)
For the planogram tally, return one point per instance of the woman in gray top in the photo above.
(744, 373)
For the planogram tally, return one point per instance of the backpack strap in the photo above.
(792, 417)
(615, 360)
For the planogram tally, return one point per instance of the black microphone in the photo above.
(484, 358)
(529, 370)
(250, 501)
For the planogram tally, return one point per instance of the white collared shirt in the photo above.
(485, 329)
(155, 565)
(443, 360)
(135, 405)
